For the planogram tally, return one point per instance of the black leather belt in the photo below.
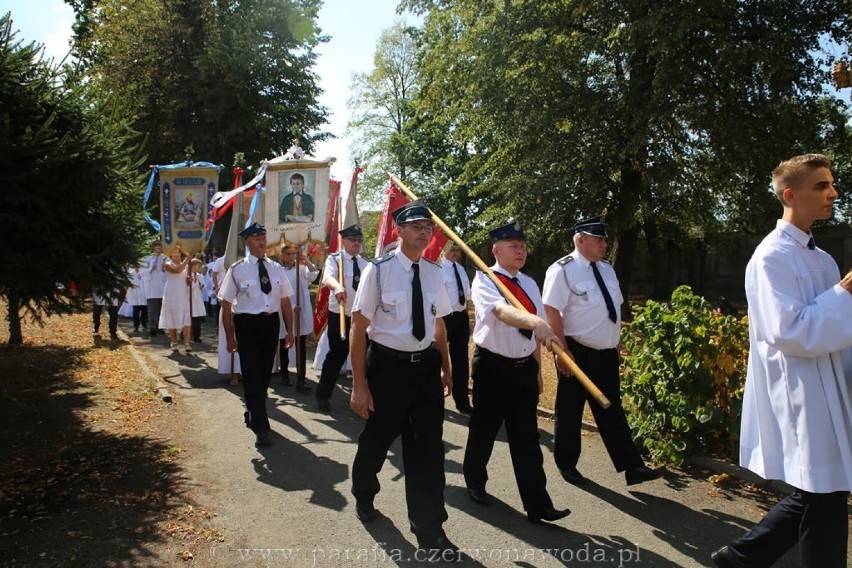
(263, 315)
(407, 356)
(519, 362)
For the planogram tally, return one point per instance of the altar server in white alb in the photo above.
(797, 415)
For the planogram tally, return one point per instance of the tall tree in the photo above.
(221, 76)
(69, 167)
(664, 115)
(382, 107)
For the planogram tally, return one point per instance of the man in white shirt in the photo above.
(458, 324)
(797, 414)
(582, 298)
(507, 376)
(154, 281)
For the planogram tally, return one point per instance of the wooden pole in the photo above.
(297, 315)
(557, 349)
(341, 277)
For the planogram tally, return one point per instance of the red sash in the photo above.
(519, 292)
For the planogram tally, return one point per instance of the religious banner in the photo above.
(296, 203)
(185, 194)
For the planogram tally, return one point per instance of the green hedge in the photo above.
(683, 373)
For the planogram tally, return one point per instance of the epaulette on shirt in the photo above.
(429, 261)
(565, 260)
(382, 259)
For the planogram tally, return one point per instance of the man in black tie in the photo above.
(458, 324)
(342, 295)
(582, 298)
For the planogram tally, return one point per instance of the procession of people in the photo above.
(404, 322)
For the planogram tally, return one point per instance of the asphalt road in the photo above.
(291, 505)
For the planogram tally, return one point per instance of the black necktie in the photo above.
(811, 244)
(459, 285)
(610, 307)
(418, 327)
(265, 284)
(356, 273)
(525, 332)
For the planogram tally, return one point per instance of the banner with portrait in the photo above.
(185, 194)
(297, 201)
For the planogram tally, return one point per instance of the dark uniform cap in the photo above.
(594, 226)
(353, 232)
(511, 230)
(253, 230)
(410, 212)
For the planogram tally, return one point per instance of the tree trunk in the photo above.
(625, 249)
(14, 317)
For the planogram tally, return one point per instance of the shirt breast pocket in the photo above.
(431, 303)
(585, 291)
(395, 305)
(248, 289)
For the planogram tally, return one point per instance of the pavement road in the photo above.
(291, 505)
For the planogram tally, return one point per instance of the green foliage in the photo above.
(683, 376)
(69, 168)
(225, 77)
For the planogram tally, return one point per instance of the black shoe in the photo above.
(323, 405)
(285, 379)
(197, 340)
(303, 387)
(247, 419)
(464, 408)
(113, 334)
(479, 495)
(439, 549)
(573, 476)
(549, 515)
(365, 512)
(262, 440)
(153, 332)
(724, 558)
(640, 474)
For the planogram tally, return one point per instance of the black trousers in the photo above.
(301, 363)
(140, 317)
(196, 327)
(505, 391)
(154, 307)
(458, 338)
(409, 402)
(257, 339)
(818, 522)
(112, 314)
(338, 351)
(602, 368)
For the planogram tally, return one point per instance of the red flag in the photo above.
(217, 213)
(321, 311)
(387, 232)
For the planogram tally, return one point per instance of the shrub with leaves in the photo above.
(683, 374)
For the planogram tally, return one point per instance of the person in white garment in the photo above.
(154, 282)
(303, 313)
(797, 414)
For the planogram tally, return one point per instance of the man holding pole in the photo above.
(342, 296)
(582, 298)
(300, 272)
(399, 385)
(507, 377)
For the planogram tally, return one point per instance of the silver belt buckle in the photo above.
(521, 362)
(415, 357)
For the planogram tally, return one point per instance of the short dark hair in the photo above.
(790, 172)
(297, 176)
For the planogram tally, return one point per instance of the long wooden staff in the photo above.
(342, 279)
(557, 349)
(297, 316)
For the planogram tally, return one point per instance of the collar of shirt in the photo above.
(585, 262)
(794, 232)
(446, 262)
(404, 261)
(497, 268)
(253, 259)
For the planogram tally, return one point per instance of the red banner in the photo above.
(387, 231)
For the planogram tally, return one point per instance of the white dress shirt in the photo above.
(331, 269)
(797, 415)
(451, 285)
(241, 287)
(154, 275)
(306, 317)
(571, 289)
(390, 316)
(491, 333)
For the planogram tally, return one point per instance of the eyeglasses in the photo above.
(421, 227)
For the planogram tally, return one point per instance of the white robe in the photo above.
(797, 415)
